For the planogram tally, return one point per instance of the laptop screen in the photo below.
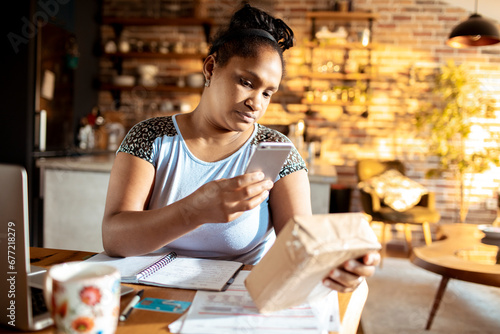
(15, 300)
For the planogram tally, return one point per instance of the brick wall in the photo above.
(410, 37)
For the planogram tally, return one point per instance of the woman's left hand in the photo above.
(351, 274)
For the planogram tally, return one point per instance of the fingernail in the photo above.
(327, 283)
(335, 274)
(351, 264)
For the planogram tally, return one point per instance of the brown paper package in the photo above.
(304, 253)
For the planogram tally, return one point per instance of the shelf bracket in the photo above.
(118, 29)
(313, 28)
(206, 29)
(117, 98)
(117, 64)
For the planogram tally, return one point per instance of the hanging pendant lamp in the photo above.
(476, 31)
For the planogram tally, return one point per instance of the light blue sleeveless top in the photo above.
(179, 173)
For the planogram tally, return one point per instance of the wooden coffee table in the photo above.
(461, 255)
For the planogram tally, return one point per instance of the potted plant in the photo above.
(447, 124)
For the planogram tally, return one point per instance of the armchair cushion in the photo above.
(397, 191)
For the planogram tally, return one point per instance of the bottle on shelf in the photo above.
(366, 37)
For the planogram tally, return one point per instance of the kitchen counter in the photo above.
(88, 163)
(321, 176)
(74, 191)
(322, 172)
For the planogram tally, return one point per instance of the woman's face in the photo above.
(240, 92)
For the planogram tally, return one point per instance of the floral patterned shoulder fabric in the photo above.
(139, 140)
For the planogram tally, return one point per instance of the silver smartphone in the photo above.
(269, 159)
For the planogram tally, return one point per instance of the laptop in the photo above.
(22, 305)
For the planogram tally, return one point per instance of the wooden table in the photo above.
(462, 256)
(140, 321)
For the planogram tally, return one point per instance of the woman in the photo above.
(179, 181)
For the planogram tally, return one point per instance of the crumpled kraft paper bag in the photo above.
(304, 253)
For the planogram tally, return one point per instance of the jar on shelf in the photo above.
(343, 5)
(153, 46)
(139, 45)
(310, 96)
(124, 43)
(351, 66)
(365, 37)
(200, 8)
(110, 46)
(178, 47)
(164, 47)
(352, 36)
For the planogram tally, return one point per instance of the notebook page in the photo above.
(193, 273)
(127, 266)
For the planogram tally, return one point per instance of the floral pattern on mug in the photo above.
(83, 324)
(62, 309)
(90, 295)
(58, 288)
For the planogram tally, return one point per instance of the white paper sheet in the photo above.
(233, 311)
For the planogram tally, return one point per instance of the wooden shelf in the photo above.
(337, 76)
(335, 103)
(156, 55)
(118, 23)
(347, 46)
(348, 16)
(159, 88)
(165, 21)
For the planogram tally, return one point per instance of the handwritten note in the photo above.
(170, 270)
(194, 273)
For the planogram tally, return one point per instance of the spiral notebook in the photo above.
(170, 270)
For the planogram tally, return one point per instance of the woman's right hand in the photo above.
(224, 200)
(130, 229)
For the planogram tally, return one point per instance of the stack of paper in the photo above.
(233, 311)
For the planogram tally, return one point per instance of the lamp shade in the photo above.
(476, 31)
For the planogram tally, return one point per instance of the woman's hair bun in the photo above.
(250, 17)
(248, 29)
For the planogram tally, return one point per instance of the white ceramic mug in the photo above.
(83, 297)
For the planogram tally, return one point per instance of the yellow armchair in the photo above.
(422, 213)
